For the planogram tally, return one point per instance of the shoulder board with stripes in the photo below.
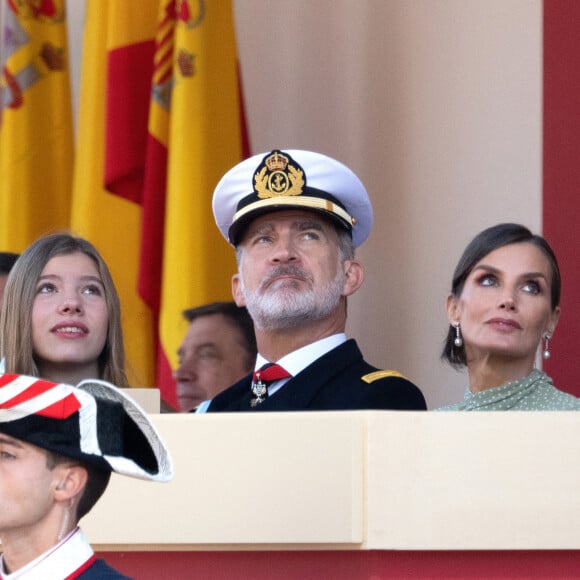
(375, 376)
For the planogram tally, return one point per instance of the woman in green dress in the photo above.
(504, 306)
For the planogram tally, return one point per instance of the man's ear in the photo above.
(237, 290)
(70, 480)
(354, 276)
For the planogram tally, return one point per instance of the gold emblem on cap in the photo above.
(277, 176)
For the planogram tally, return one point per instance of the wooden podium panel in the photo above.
(243, 480)
(367, 480)
(366, 495)
(473, 481)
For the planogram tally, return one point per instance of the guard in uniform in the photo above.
(295, 218)
(58, 447)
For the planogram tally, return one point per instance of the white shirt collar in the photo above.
(296, 361)
(61, 561)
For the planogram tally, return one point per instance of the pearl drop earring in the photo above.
(546, 350)
(458, 342)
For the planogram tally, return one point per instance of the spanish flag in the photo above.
(161, 120)
(196, 133)
(116, 74)
(36, 138)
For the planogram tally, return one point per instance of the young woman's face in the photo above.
(505, 306)
(69, 315)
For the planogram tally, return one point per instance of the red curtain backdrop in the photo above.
(561, 181)
(347, 565)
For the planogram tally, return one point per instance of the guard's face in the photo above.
(26, 486)
(69, 315)
(290, 269)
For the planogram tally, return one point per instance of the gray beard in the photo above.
(286, 306)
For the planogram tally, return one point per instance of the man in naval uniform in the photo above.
(295, 218)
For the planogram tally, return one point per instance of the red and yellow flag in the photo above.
(196, 133)
(160, 122)
(117, 52)
(36, 138)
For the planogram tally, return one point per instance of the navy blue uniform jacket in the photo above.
(339, 380)
(100, 570)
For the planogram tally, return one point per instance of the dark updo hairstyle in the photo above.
(483, 244)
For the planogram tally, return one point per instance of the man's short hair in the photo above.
(238, 316)
(97, 482)
(7, 260)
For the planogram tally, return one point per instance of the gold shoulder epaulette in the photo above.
(372, 377)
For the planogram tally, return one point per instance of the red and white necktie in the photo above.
(264, 377)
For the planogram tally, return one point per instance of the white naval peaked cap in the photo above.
(285, 179)
(94, 423)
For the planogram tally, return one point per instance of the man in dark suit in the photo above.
(217, 350)
(295, 219)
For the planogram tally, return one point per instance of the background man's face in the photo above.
(211, 358)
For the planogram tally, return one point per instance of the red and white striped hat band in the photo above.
(94, 423)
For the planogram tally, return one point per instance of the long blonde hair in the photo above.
(16, 344)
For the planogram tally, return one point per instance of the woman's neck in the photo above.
(491, 372)
(69, 374)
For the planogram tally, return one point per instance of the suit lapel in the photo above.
(299, 391)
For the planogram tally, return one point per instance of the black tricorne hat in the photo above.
(94, 423)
